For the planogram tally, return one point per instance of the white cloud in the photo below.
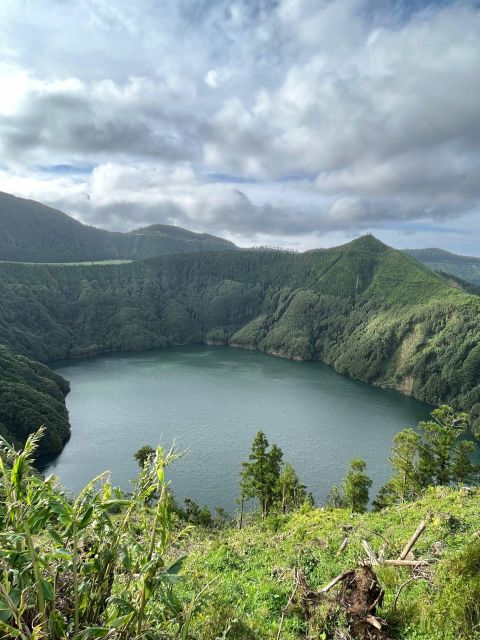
(341, 115)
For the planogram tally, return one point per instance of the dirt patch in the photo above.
(359, 597)
(350, 611)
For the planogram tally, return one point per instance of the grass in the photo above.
(252, 569)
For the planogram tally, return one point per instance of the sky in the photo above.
(295, 123)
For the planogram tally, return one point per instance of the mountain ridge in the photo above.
(371, 312)
(33, 232)
(466, 268)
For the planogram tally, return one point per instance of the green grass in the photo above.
(251, 571)
(121, 566)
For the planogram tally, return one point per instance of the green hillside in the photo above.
(369, 311)
(33, 232)
(252, 573)
(31, 395)
(464, 267)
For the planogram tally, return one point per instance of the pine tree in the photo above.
(435, 455)
(405, 483)
(291, 492)
(256, 473)
(442, 458)
(260, 474)
(356, 486)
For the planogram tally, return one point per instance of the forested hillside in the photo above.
(371, 312)
(464, 267)
(32, 232)
(31, 395)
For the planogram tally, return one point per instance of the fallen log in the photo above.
(370, 553)
(411, 543)
(407, 563)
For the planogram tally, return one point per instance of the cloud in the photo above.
(330, 116)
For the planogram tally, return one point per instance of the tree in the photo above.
(221, 517)
(405, 482)
(385, 497)
(443, 457)
(462, 468)
(435, 455)
(197, 515)
(260, 475)
(290, 491)
(143, 455)
(336, 498)
(356, 486)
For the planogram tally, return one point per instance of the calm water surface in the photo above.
(212, 401)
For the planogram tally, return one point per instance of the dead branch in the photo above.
(374, 622)
(343, 546)
(296, 577)
(381, 555)
(397, 595)
(411, 543)
(339, 578)
(408, 563)
(370, 553)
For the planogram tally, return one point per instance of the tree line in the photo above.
(436, 453)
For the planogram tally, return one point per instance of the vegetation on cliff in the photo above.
(369, 311)
(31, 394)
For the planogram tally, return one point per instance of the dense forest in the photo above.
(31, 395)
(369, 311)
(33, 232)
(466, 268)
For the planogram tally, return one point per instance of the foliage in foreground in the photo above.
(93, 567)
(107, 565)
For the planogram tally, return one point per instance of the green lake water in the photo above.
(212, 401)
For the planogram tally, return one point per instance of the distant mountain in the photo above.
(466, 268)
(33, 232)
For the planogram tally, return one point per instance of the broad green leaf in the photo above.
(176, 566)
(47, 589)
(92, 632)
(85, 519)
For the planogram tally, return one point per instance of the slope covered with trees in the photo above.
(369, 311)
(466, 268)
(31, 395)
(33, 232)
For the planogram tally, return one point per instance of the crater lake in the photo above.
(212, 401)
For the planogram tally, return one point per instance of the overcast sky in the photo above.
(300, 123)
